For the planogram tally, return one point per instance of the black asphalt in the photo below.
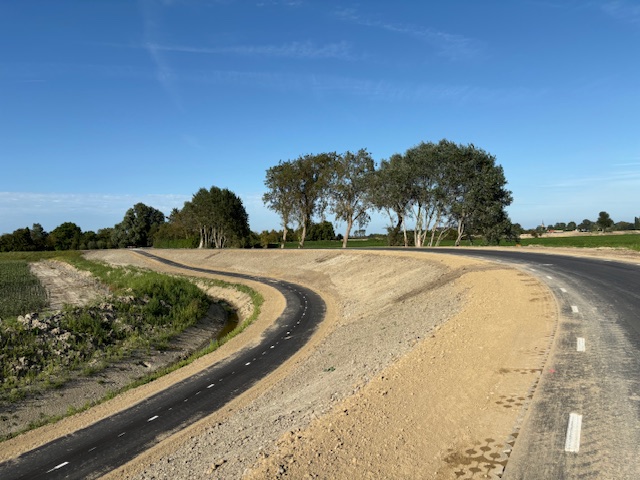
(102, 447)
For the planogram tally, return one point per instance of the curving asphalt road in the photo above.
(584, 420)
(107, 444)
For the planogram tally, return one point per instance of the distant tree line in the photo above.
(213, 218)
(603, 224)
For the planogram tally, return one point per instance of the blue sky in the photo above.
(104, 104)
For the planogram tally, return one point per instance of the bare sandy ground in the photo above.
(423, 368)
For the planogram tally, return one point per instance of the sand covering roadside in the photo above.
(420, 370)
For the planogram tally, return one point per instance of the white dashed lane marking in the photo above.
(574, 309)
(57, 467)
(572, 443)
(152, 418)
(563, 290)
(581, 346)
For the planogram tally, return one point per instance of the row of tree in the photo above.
(440, 186)
(603, 223)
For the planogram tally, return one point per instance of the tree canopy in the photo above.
(138, 227)
(217, 216)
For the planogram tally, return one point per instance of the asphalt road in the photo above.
(105, 445)
(584, 420)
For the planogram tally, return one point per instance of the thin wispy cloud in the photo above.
(613, 179)
(451, 46)
(302, 50)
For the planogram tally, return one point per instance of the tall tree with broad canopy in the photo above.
(604, 221)
(298, 189)
(480, 196)
(281, 182)
(390, 189)
(138, 226)
(65, 236)
(312, 179)
(349, 187)
(218, 217)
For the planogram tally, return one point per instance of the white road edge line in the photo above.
(572, 443)
(581, 346)
(574, 309)
(152, 418)
(63, 464)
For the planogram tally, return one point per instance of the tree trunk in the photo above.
(404, 231)
(303, 235)
(284, 236)
(460, 232)
(346, 235)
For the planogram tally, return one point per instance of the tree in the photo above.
(604, 221)
(425, 167)
(480, 194)
(218, 217)
(560, 226)
(623, 226)
(66, 236)
(390, 189)
(138, 226)
(298, 189)
(39, 237)
(349, 187)
(281, 182)
(321, 231)
(636, 223)
(586, 225)
(571, 226)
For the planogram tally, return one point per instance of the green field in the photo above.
(20, 290)
(628, 241)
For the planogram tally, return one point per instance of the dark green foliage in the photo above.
(218, 217)
(138, 227)
(604, 222)
(321, 231)
(66, 236)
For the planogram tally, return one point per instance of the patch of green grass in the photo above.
(20, 290)
(628, 241)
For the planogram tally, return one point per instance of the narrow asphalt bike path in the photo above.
(109, 443)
